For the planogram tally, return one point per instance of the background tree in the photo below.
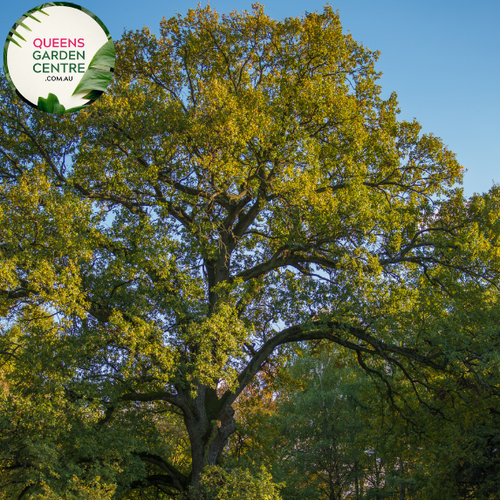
(330, 432)
(318, 431)
(241, 188)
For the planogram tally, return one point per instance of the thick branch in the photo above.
(179, 480)
(330, 330)
(154, 396)
(279, 260)
(154, 480)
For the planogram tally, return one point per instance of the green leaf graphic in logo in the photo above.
(13, 32)
(99, 73)
(52, 105)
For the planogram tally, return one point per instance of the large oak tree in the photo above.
(241, 188)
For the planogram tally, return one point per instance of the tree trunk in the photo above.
(208, 430)
(402, 488)
(356, 479)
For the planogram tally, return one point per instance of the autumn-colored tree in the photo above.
(241, 188)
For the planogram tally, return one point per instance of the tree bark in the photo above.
(208, 430)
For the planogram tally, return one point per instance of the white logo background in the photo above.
(63, 22)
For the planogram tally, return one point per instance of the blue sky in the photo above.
(441, 57)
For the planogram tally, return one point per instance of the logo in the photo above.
(59, 57)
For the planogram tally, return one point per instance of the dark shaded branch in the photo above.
(43, 153)
(390, 392)
(108, 415)
(19, 293)
(179, 480)
(154, 396)
(21, 495)
(246, 220)
(330, 330)
(279, 260)
(154, 480)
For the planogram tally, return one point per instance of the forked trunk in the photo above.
(208, 430)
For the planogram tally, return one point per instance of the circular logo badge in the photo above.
(59, 57)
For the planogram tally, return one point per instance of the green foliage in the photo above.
(331, 432)
(318, 430)
(228, 484)
(241, 191)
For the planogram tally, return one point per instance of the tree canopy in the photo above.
(241, 190)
